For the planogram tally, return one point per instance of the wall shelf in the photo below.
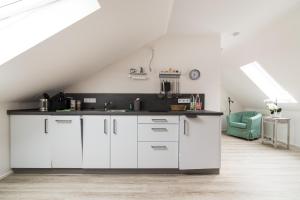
(169, 75)
(138, 76)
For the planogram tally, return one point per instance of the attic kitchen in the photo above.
(139, 132)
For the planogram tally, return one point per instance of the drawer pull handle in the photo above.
(46, 126)
(185, 132)
(159, 120)
(105, 126)
(160, 129)
(64, 121)
(115, 126)
(159, 147)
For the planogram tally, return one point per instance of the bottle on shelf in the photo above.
(198, 105)
(192, 103)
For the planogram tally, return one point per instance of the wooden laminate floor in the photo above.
(249, 171)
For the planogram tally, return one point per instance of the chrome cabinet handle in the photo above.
(64, 121)
(184, 127)
(159, 120)
(81, 133)
(160, 129)
(114, 126)
(159, 147)
(105, 126)
(46, 126)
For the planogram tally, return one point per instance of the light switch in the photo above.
(89, 100)
(184, 101)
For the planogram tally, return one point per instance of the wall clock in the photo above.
(194, 74)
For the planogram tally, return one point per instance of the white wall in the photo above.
(4, 140)
(180, 52)
(4, 134)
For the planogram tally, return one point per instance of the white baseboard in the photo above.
(5, 174)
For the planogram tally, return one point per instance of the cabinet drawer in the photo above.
(158, 155)
(158, 119)
(158, 132)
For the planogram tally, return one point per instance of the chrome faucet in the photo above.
(106, 105)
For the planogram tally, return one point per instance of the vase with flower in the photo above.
(274, 109)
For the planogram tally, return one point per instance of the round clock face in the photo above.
(195, 74)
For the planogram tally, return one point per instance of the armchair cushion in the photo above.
(238, 125)
(247, 115)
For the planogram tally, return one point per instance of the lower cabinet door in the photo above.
(124, 142)
(29, 142)
(200, 142)
(158, 155)
(96, 141)
(66, 147)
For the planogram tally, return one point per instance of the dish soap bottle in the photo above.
(198, 105)
(192, 103)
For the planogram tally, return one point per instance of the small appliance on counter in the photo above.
(137, 104)
(60, 102)
(44, 103)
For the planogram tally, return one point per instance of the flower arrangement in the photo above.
(273, 107)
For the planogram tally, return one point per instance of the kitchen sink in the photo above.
(115, 110)
(102, 110)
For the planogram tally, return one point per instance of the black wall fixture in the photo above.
(150, 101)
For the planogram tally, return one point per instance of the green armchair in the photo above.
(245, 125)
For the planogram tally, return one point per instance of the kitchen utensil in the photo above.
(167, 86)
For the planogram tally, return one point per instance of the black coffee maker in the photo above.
(60, 102)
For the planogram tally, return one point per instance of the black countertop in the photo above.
(101, 112)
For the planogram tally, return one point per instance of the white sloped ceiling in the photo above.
(225, 16)
(117, 29)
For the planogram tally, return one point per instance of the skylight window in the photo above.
(267, 84)
(12, 8)
(25, 23)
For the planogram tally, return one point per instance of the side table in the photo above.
(275, 121)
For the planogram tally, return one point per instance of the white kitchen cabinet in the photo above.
(66, 141)
(30, 146)
(123, 141)
(96, 141)
(116, 141)
(200, 143)
(158, 155)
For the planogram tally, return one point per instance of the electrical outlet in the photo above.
(89, 100)
(184, 101)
